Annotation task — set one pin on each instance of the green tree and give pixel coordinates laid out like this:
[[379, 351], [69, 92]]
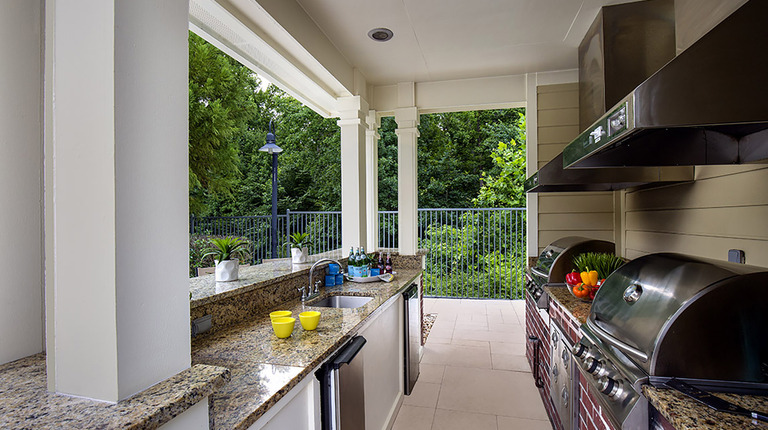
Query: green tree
[[503, 185], [221, 99], [455, 148]]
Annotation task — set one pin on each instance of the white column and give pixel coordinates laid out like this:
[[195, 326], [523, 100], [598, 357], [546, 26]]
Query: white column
[[21, 152], [372, 179], [353, 111], [120, 176], [407, 178]]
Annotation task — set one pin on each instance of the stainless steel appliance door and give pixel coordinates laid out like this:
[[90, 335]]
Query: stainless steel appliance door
[[342, 388], [412, 339]]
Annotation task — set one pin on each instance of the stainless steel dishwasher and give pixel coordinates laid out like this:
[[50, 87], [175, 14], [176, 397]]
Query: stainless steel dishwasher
[[412, 324], [342, 388]]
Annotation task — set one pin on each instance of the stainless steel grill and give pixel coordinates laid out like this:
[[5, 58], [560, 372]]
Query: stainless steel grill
[[556, 261], [669, 315]]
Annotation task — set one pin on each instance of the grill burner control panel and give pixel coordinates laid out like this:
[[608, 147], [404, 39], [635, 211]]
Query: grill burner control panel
[[626, 407]]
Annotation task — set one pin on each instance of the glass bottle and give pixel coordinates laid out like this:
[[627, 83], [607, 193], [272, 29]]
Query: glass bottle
[[388, 264]]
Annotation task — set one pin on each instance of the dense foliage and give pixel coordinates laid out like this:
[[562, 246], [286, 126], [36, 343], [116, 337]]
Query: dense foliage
[[462, 162]]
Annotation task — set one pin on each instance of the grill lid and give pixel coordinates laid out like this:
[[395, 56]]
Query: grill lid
[[677, 315], [555, 261]]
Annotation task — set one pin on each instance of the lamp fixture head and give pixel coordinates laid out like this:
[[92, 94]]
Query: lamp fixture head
[[271, 146]]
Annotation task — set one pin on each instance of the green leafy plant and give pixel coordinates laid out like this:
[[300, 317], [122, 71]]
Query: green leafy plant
[[299, 240], [603, 263], [227, 248]]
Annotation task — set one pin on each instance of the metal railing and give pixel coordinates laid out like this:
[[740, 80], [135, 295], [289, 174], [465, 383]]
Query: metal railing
[[473, 253]]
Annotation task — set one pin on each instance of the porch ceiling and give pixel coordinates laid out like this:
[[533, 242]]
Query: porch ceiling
[[436, 40]]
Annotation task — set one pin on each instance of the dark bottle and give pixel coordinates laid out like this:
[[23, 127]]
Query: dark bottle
[[388, 266], [381, 266]]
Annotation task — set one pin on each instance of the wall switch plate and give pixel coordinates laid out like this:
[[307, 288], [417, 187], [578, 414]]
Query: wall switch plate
[[736, 256], [201, 325]]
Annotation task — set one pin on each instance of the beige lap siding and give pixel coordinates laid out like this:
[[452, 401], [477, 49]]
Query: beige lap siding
[[586, 214]]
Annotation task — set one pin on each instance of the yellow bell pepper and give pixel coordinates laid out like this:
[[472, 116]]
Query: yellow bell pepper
[[589, 278]]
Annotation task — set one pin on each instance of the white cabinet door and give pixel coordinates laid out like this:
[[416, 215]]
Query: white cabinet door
[[299, 409], [383, 366]]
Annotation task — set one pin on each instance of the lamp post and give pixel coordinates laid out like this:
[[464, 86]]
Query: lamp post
[[272, 148]]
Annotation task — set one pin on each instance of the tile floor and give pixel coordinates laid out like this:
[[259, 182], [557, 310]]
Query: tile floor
[[474, 374]]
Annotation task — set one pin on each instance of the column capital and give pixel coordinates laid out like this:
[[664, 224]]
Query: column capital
[[407, 117], [352, 107], [407, 131]]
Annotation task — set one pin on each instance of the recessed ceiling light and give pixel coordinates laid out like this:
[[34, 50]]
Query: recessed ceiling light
[[380, 34]]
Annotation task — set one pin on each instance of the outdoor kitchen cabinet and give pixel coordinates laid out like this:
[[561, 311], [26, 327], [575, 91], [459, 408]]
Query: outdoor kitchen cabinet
[[383, 375]]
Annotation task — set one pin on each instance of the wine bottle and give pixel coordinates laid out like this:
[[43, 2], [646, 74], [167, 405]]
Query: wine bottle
[[382, 267], [388, 264]]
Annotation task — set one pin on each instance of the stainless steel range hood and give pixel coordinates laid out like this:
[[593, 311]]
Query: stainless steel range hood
[[553, 178], [709, 105]]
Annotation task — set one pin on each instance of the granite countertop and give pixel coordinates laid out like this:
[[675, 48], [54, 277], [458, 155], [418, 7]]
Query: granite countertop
[[25, 402], [685, 413], [578, 308], [265, 368], [204, 290]]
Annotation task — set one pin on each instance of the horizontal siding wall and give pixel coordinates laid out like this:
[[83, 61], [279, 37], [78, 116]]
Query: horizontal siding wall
[[725, 208], [566, 214]]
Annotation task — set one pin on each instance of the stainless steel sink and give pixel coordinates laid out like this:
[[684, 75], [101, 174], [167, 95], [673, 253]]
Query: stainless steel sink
[[349, 302]]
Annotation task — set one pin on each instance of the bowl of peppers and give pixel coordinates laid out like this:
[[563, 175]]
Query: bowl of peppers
[[591, 269]]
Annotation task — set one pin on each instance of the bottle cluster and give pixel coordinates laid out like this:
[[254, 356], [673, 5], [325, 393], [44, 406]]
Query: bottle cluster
[[362, 265]]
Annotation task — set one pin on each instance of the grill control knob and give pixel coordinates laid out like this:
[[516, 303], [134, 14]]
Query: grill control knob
[[610, 387], [554, 336], [595, 367], [580, 350]]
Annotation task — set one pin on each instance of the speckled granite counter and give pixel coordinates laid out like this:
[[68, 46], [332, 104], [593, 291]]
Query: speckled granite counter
[[264, 368], [25, 402], [577, 308], [687, 414]]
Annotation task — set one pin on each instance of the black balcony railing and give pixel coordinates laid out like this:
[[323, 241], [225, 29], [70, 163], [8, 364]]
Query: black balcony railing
[[473, 253]]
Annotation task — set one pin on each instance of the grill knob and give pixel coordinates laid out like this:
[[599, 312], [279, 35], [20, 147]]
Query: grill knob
[[554, 336], [595, 367], [580, 350], [609, 387]]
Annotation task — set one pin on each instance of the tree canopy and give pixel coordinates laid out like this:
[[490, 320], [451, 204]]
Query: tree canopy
[[466, 159]]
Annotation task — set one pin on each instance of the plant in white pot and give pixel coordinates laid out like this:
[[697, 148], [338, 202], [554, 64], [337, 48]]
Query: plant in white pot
[[225, 252], [299, 247]]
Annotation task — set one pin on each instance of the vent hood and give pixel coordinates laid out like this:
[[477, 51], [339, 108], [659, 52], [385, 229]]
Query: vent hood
[[709, 105], [552, 178], [625, 45]]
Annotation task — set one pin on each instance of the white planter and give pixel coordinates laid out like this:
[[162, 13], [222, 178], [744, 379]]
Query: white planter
[[299, 255], [227, 270]]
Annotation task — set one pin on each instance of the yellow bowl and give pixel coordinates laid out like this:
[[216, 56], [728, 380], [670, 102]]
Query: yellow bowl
[[283, 326], [279, 314], [309, 319]]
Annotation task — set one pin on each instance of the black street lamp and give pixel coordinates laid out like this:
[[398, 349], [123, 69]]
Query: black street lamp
[[272, 148]]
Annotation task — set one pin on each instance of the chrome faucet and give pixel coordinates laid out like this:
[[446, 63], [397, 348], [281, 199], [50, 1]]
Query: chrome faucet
[[309, 293]]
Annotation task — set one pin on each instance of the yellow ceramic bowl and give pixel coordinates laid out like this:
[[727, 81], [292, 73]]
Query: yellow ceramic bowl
[[279, 314], [309, 319], [283, 326]]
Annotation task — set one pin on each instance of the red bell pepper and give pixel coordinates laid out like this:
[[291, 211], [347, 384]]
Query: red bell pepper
[[573, 278]]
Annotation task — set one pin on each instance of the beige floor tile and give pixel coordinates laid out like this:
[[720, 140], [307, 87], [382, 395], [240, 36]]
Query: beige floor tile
[[457, 355], [491, 336], [414, 418], [497, 392], [432, 340], [511, 423], [514, 348], [514, 328], [457, 420], [471, 325], [519, 306], [424, 394], [432, 373], [517, 363], [440, 333], [470, 342]]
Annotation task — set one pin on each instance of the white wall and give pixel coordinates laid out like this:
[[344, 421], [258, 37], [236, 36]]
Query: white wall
[[21, 151], [121, 306], [151, 191]]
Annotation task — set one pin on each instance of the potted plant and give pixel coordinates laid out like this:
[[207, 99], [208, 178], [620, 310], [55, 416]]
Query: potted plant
[[299, 243], [225, 251]]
